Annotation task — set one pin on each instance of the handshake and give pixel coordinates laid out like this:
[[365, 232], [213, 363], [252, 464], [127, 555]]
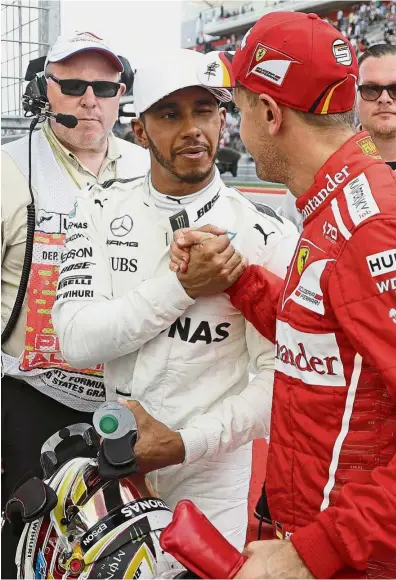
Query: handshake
[[205, 260]]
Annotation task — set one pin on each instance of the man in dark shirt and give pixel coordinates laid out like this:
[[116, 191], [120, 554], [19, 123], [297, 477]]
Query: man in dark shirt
[[376, 100]]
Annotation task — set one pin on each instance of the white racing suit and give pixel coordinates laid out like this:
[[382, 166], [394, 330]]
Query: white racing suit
[[185, 360]]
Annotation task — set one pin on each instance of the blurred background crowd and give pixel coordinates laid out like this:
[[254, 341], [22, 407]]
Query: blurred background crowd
[[363, 23], [205, 25]]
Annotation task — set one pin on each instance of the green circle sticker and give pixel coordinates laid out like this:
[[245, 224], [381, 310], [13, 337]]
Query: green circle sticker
[[108, 424]]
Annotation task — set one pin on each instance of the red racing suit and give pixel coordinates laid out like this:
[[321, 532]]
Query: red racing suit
[[331, 471]]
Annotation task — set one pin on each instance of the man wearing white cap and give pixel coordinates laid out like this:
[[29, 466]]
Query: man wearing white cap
[[40, 392], [181, 356]]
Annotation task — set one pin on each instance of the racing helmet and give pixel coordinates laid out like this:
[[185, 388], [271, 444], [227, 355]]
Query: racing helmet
[[99, 529]]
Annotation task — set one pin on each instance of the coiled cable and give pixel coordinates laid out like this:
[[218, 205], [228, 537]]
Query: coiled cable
[[27, 261]]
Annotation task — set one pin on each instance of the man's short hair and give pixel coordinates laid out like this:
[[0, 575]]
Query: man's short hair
[[340, 120], [252, 98], [47, 69], [376, 51]]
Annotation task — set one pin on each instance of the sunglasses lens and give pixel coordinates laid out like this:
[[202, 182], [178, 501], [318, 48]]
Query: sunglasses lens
[[77, 87], [392, 91], [105, 89], [370, 93], [73, 87]]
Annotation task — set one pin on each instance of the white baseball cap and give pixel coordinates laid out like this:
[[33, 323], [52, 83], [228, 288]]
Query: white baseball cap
[[169, 73], [66, 46]]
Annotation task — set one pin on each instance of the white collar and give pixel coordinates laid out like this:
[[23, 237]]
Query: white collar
[[154, 198]]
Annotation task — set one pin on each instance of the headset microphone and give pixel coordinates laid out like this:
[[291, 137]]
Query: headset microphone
[[69, 121]]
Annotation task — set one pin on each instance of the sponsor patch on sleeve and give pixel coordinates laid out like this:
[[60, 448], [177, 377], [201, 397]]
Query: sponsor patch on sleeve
[[360, 200], [368, 147], [382, 263]]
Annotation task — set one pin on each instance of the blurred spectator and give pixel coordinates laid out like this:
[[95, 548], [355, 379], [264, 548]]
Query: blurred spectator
[[375, 105], [225, 139], [227, 160], [361, 46], [340, 18], [219, 13], [353, 42], [389, 34], [232, 127]]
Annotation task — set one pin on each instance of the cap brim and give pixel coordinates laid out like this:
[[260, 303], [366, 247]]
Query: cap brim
[[110, 55], [221, 95], [215, 70]]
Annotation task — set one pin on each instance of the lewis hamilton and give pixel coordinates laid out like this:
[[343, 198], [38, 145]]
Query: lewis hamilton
[[181, 356]]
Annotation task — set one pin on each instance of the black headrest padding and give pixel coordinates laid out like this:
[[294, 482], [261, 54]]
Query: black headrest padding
[[31, 501], [117, 458]]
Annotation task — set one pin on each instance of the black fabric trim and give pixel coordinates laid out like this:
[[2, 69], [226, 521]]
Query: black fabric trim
[[110, 182], [228, 56], [316, 103], [112, 495], [267, 210]]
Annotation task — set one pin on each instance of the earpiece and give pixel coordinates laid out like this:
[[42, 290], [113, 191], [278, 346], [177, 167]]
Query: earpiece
[[35, 96], [127, 76]]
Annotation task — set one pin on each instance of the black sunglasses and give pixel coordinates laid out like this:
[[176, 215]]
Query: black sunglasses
[[373, 92], [77, 87]]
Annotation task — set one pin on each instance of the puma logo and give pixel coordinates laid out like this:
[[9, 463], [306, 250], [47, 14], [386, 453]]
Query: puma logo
[[174, 199], [262, 232]]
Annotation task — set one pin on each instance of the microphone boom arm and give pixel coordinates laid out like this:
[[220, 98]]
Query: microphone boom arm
[[39, 107]]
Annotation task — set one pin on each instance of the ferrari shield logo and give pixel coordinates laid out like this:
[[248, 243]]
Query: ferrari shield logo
[[260, 53], [302, 259], [270, 64], [367, 146]]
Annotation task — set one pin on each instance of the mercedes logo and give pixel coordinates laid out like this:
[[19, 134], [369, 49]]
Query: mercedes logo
[[121, 226]]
